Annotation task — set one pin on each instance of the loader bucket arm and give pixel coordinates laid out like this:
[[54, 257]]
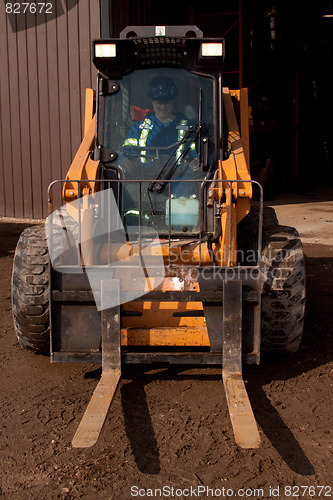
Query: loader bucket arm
[[83, 167], [234, 197]]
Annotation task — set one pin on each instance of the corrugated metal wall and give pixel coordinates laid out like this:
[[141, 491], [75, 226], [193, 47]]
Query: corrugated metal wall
[[44, 71]]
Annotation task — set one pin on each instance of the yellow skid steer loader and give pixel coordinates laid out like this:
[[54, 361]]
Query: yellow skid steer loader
[[154, 250]]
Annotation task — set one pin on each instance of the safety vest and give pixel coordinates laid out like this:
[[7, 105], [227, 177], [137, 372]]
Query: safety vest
[[151, 132]]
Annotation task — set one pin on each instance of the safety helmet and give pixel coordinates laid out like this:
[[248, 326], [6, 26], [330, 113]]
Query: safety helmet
[[162, 88]]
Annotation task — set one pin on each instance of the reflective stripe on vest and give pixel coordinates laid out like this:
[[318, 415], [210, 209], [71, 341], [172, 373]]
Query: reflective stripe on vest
[[131, 142], [181, 135], [144, 136]]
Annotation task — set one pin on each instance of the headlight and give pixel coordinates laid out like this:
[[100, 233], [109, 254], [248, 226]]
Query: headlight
[[211, 50], [105, 50]]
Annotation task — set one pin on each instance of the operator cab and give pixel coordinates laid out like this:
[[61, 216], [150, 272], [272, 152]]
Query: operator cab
[[162, 161]]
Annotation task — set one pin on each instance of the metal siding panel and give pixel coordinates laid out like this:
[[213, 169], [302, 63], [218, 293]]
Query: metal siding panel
[[64, 98], [74, 80], [53, 96], [13, 75], [84, 53], [34, 122], [23, 118], [44, 119], [45, 70], [2, 178], [6, 145], [94, 33]]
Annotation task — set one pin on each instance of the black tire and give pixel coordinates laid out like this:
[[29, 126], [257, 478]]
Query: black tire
[[282, 280], [283, 290], [30, 290]]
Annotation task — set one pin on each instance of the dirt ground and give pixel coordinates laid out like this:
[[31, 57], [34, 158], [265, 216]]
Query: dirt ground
[[169, 427]]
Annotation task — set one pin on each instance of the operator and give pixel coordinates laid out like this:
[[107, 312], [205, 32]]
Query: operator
[[163, 127]]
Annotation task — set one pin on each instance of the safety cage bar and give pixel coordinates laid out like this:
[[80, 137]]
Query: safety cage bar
[[200, 237]]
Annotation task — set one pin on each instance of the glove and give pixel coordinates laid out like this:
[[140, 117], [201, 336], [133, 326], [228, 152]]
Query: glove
[[194, 165]]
